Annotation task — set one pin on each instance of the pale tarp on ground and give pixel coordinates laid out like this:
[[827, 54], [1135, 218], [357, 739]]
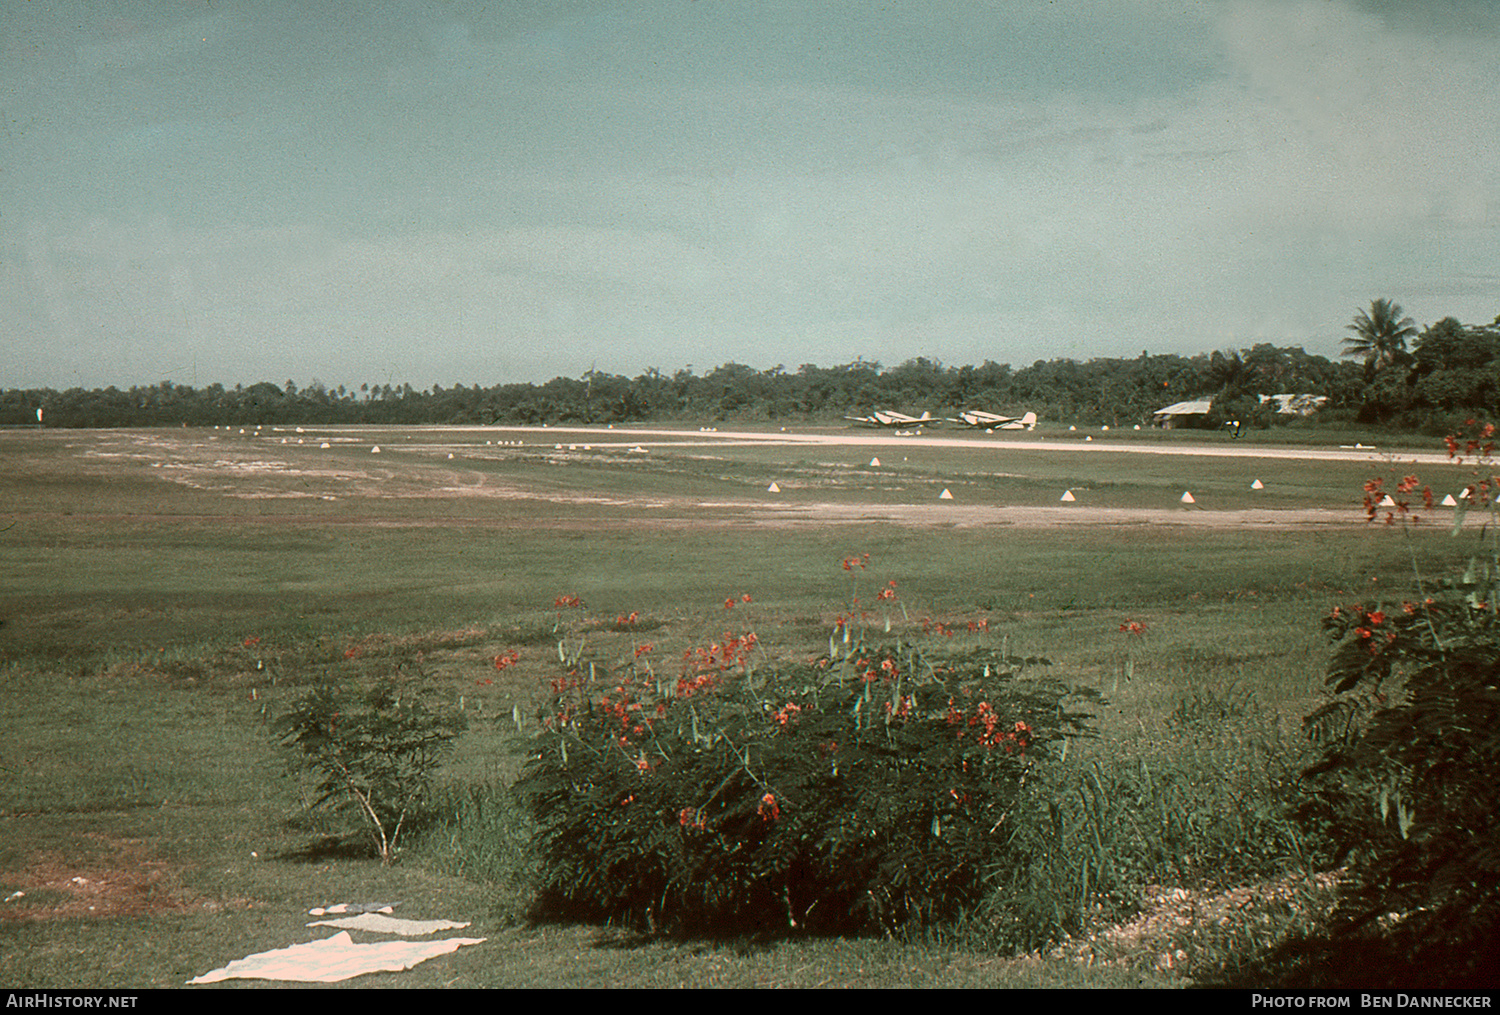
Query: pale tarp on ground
[[333, 959], [382, 924]]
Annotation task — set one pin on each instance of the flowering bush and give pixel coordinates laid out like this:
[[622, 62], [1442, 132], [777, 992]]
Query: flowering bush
[[871, 788], [1408, 782]]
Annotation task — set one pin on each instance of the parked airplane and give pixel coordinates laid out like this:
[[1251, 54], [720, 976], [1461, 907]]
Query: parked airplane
[[991, 421], [883, 418]]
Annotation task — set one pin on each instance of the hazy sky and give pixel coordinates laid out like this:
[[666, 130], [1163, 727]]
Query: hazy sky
[[449, 192]]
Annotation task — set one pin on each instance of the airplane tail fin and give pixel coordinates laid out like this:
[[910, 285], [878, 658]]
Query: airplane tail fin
[[1029, 420]]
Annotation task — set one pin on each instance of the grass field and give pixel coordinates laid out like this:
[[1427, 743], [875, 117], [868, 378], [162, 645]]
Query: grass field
[[163, 592]]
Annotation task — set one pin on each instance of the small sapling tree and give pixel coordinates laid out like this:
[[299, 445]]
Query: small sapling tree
[[374, 751]]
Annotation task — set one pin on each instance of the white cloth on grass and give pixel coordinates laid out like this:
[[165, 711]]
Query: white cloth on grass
[[332, 959], [382, 924], [350, 908]]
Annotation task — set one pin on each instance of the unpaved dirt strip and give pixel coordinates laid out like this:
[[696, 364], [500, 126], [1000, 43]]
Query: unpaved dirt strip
[[257, 466], [604, 437]]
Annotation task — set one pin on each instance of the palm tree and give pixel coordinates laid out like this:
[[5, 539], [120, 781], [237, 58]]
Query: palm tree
[[1380, 335]]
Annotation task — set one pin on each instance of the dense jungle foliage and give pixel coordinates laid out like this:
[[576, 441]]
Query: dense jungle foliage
[[1452, 371]]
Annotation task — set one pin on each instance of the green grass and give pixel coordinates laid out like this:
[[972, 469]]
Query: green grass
[[149, 627]]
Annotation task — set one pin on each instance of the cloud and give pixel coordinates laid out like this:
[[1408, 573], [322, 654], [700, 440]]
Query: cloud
[[1359, 124]]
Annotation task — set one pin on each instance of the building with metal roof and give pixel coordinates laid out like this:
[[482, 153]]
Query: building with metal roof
[[1178, 413]]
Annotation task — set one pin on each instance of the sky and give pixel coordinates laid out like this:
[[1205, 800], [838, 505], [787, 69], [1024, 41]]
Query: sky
[[429, 192]]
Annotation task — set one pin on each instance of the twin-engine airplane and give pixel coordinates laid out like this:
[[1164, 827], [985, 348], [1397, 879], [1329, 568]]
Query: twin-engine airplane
[[883, 418], [991, 421]]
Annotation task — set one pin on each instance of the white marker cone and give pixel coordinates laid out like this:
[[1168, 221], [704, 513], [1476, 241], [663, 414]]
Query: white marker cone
[[1257, 485], [1387, 502], [1067, 495], [375, 450], [875, 461], [450, 454], [773, 488], [1187, 498], [946, 494], [1448, 501], [323, 445]]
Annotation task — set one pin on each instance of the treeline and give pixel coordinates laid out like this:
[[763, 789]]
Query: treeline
[[1452, 372]]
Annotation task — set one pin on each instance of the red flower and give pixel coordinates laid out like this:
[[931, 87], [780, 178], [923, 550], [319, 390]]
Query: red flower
[[745, 598], [768, 810]]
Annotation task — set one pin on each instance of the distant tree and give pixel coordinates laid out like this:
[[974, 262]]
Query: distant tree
[[1229, 373], [1380, 336], [1449, 345], [1456, 370]]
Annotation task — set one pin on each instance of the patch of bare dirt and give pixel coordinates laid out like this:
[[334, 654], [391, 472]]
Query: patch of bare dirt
[[963, 516], [118, 878]]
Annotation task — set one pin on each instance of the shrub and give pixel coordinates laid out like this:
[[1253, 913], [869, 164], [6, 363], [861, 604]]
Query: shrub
[[873, 789], [1408, 781], [1408, 786], [373, 751]]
